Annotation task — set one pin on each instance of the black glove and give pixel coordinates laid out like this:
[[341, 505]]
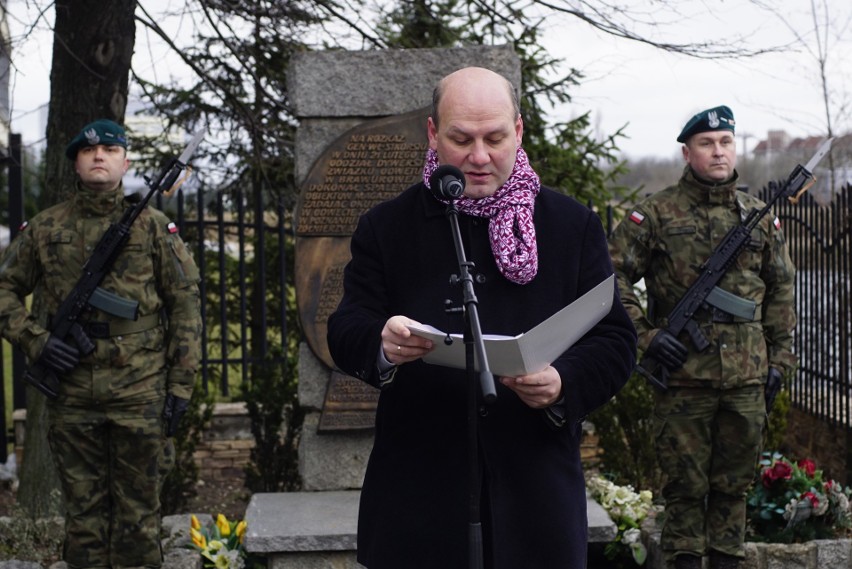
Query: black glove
[[173, 410], [667, 350], [772, 387], [59, 356]]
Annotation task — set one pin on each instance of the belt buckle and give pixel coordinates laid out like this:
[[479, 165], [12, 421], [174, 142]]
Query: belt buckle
[[98, 329]]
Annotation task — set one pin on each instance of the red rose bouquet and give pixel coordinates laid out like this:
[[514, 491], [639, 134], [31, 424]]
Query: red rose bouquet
[[792, 502]]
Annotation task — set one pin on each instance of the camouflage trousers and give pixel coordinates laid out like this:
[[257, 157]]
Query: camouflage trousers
[[111, 465], [708, 443]]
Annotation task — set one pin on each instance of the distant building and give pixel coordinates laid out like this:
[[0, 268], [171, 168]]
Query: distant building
[[780, 145], [776, 141]]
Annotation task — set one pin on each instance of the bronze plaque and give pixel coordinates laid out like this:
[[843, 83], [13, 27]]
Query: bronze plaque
[[367, 165], [350, 404]]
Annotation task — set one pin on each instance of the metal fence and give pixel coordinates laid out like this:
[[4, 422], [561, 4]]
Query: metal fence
[[820, 241], [241, 254], [14, 169]]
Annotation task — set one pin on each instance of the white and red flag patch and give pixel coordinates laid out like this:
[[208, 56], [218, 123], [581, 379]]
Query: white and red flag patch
[[172, 227], [637, 217], [777, 223]]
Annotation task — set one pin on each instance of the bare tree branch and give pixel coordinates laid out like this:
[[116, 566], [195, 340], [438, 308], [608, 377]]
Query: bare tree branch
[[613, 20]]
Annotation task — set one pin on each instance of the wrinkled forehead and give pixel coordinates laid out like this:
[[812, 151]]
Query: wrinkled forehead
[[479, 127]]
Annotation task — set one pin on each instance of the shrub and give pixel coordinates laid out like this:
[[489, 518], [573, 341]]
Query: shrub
[[776, 427], [625, 426], [276, 424]]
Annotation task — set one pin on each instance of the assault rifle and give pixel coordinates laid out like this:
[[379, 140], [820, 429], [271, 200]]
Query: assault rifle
[[704, 293], [87, 293]]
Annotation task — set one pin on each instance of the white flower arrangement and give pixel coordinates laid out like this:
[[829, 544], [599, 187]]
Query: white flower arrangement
[[627, 509]]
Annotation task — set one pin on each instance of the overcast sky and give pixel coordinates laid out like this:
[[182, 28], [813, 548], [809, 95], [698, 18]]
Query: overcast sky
[[627, 83], [654, 93]]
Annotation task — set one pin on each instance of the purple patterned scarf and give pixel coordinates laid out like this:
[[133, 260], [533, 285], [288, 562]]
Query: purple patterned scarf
[[510, 211]]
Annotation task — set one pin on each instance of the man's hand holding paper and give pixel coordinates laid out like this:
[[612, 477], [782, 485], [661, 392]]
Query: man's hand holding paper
[[399, 344], [538, 390]]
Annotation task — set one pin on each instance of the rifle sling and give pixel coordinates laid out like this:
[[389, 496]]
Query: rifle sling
[[111, 329]]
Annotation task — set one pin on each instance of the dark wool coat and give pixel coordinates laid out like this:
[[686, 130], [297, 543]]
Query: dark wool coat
[[414, 504]]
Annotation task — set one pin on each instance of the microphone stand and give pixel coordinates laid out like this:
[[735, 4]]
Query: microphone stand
[[474, 344]]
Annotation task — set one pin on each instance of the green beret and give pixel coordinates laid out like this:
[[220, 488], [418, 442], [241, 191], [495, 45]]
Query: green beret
[[102, 131], [717, 118]]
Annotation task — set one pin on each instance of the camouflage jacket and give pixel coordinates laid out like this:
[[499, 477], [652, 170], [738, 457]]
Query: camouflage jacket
[[154, 268], [667, 237]]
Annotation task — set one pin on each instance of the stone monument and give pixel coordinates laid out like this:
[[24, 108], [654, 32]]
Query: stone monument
[[361, 140]]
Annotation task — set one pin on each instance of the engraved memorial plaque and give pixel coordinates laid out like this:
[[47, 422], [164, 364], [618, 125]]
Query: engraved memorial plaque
[[367, 165], [349, 404]]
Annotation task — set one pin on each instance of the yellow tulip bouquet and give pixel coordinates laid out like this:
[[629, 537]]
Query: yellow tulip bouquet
[[220, 543]]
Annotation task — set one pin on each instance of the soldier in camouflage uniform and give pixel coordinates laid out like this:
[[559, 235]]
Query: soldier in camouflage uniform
[[709, 422], [107, 427]]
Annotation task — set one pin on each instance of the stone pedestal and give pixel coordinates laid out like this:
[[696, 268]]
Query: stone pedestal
[[327, 461], [317, 530]]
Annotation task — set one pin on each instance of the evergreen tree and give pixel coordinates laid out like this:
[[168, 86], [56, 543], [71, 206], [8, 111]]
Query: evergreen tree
[[240, 57], [566, 155]]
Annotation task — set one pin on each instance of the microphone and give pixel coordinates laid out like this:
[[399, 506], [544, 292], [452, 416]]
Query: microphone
[[447, 183]]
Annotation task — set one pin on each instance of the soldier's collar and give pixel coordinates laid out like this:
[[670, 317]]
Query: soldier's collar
[[715, 193], [98, 202]]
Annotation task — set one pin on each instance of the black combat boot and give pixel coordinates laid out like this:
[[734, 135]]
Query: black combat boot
[[720, 560], [686, 561]]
